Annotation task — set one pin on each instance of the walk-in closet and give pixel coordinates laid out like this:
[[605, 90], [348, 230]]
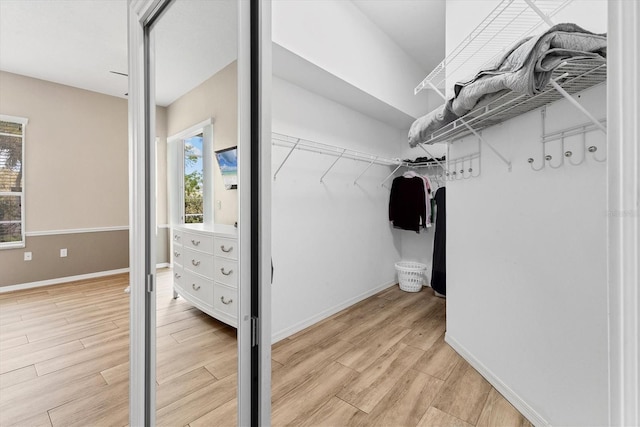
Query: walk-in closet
[[523, 162]]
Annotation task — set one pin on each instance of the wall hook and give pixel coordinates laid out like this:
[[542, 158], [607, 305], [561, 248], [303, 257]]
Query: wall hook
[[549, 158], [464, 169], [543, 113], [530, 161], [592, 149], [561, 162], [569, 154]]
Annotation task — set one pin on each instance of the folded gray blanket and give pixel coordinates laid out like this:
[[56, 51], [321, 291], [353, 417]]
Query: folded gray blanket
[[526, 68]]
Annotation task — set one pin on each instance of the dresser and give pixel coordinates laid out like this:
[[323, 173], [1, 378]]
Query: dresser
[[205, 268]]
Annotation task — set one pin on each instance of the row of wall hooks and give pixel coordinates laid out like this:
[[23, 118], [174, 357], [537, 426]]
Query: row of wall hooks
[[294, 143], [567, 156], [464, 167]]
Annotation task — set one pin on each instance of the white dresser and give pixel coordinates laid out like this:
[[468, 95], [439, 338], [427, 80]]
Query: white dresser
[[205, 268]]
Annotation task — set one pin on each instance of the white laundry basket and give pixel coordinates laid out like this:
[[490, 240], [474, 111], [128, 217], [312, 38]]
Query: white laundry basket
[[410, 275]]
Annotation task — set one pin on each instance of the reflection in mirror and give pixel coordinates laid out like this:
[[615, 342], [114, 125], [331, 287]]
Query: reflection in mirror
[[197, 299]]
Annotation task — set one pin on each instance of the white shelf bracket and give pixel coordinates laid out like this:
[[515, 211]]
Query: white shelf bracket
[[391, 174], [332, 165], [496, 152], [434, 87], [576, 104], [365, 170], [507, 162], [285, 159]]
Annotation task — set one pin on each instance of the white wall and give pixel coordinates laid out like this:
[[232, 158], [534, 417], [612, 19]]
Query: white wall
[[338, 37], [526, 267], [332, 242]]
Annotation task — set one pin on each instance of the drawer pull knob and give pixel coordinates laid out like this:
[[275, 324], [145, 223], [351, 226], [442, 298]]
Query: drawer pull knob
[[195, 263], [195, 242], [226, 273], [226, 250], [226, 302], [177, 276], [176, 237], [195, 288], [176, 254]]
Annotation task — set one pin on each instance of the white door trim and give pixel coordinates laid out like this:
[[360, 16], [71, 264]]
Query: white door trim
[[623, 154], [141, 217]]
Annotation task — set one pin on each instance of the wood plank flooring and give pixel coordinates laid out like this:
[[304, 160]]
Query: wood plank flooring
[[64, 361]]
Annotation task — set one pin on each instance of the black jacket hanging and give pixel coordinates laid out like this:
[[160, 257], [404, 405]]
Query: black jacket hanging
[[439, 272], [407, 207]]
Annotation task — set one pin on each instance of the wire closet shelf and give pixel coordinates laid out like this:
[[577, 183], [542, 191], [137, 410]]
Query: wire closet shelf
[[573, 76], [510, 21]]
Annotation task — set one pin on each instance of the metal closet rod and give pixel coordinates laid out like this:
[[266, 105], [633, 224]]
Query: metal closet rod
[[295, 143]]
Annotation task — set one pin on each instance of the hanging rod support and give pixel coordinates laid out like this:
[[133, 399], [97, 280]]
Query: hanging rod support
[[432, 156], [391, 174], [576, 104], [366, 169], [541, 14], [333, 164], [286, 158]]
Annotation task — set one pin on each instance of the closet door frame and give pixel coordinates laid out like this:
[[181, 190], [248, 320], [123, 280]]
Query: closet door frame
[[254, 145], [623, 176]]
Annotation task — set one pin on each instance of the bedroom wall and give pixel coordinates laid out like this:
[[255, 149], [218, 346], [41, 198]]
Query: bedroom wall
[[526, 267], [76, 180], [215, 98], [332, 242]]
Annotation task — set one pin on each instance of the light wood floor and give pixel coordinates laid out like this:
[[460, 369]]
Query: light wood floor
[[64, 354]]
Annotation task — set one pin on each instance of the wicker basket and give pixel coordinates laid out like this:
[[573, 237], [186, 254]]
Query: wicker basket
[[410, 275]]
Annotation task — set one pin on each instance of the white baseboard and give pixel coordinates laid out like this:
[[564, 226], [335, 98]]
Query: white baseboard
[[59, 280], [280, 335], [534, 417]]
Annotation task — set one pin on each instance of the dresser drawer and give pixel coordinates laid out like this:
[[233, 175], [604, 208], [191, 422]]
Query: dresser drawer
[[226, 271], [226, 248], [198, 262], [178, 254], [198, 287], [176, 237], [225, 300], [178, 274], [200, 242]]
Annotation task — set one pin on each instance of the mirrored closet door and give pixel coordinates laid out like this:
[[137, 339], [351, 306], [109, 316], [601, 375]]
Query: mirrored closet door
[[196, 129]]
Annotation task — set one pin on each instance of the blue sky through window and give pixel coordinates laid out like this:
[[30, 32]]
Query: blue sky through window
[[193, 146]]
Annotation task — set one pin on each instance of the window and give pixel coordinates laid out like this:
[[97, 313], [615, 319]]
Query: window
[[193, 180], [11, 181], [190, 175]]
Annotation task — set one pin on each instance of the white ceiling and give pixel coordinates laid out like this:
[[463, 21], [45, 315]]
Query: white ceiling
[[72, 42], [77, 43], [192, 44]]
